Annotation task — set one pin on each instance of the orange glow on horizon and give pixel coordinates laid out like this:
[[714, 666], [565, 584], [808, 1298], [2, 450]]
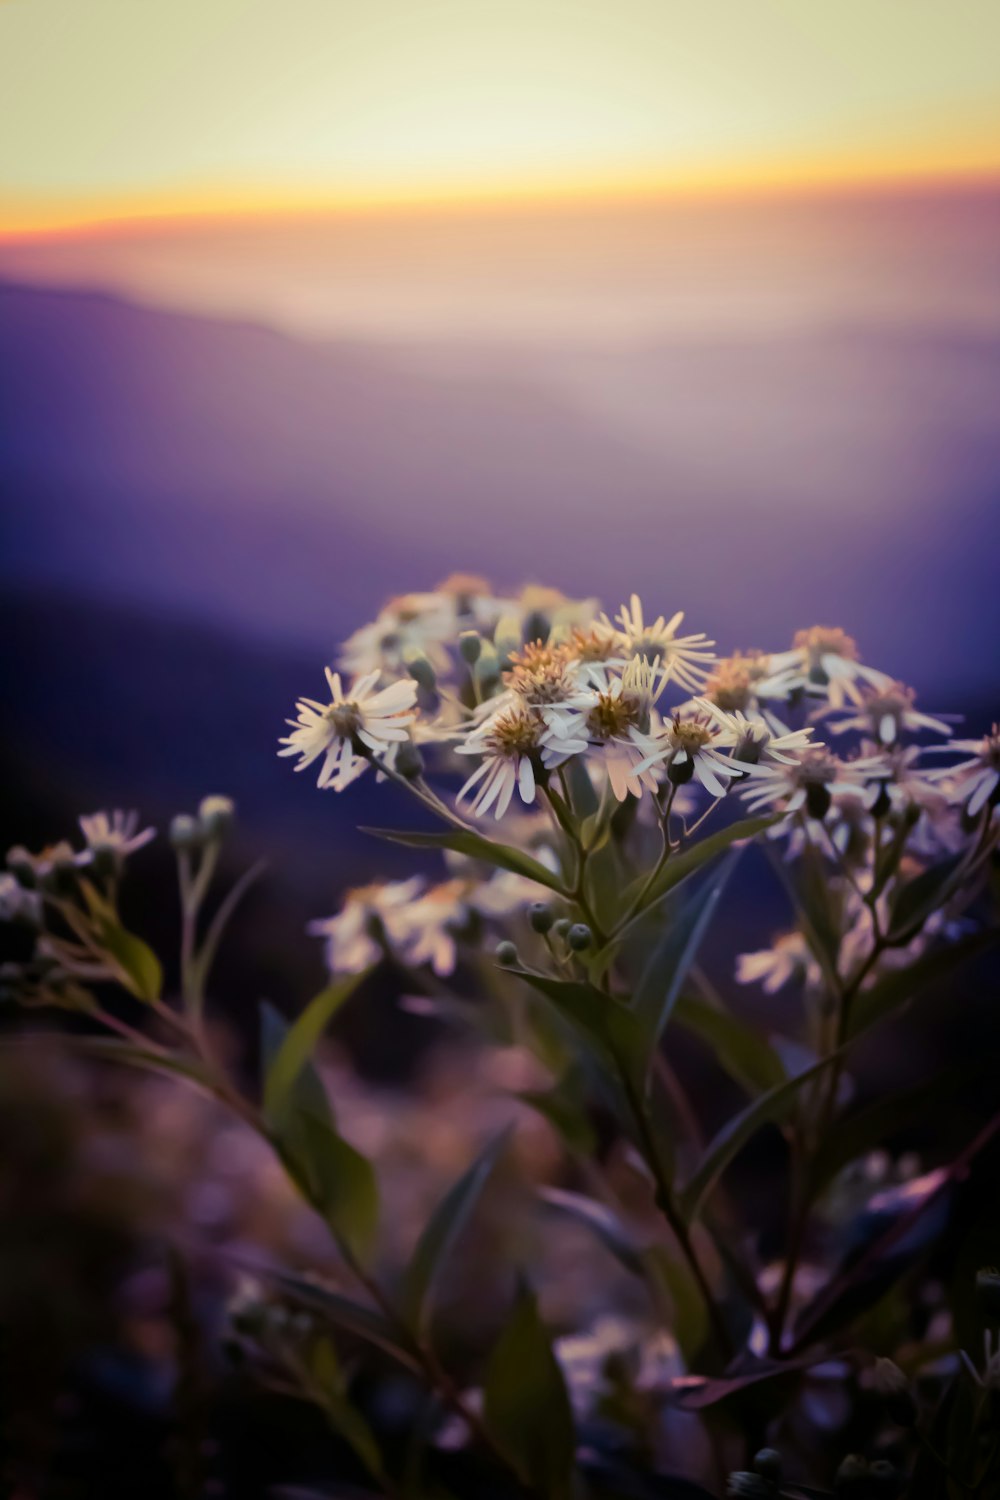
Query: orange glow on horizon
[[22, 221]]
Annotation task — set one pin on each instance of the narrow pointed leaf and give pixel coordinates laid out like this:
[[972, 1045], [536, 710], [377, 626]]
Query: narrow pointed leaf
[[467, 842], [300, 1039], [443, 1230], [341, 1185], [737, 1047], [138, 965], [602, 1222], [896, 988], [738, 1131], [525, 1404]]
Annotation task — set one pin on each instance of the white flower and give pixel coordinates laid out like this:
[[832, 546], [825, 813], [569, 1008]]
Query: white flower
[[755, 740], [689, 745], [17, 904], [809, 784], [363, 717], [897, 779], [418, 623], [788, 958], [825, 658], [974, 781], [548, 679], [509, 741], [885, 712], [616, 726], [351, 943], [682, 659], [112, 833], [739, 684]]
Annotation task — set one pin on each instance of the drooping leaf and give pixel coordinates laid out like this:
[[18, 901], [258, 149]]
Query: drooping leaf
[[300, 1039], [503, 856], [525, 1403], [605, 1023], [669, 964], [735, 1134], [738, 1048], [443, 1230], [341, 1185], [602, 1222]]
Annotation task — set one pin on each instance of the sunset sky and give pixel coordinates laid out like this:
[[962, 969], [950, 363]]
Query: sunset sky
[[124, 108]]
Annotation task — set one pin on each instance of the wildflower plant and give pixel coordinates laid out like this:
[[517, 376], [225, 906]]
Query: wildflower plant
[[589, 785]]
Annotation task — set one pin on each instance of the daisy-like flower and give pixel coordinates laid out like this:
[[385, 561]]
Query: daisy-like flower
[[412, 623], [509, 741], [809, 783], [684, 659], [616, 727], [690, 746], [363, 718], [114, 833], [740, 683], [886, 713], [351, 935], [772, 968], [755, 740], [974, 781], [597, 641], [825, 658], [545, 678], [897, 781]]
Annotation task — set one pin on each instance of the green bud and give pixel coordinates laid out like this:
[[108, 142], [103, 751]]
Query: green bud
[[487, 668], [537, 627], [540, 916], [215, 816], [894, 1388], [561, 926], [988, 1291], [409, 761], [420, 669], [185, 833], [579, 937], [768, 1464], [470, 645], [506, 954]]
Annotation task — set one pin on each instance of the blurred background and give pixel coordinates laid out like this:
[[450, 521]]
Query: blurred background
[[302, 306]]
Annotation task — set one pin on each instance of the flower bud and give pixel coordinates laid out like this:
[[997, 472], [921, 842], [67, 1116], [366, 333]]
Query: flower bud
[[561, 926], [420, 669], [215, 816], [894, 1388], [988, 1292], [540, 916], [470, 645], [506, 955], [409, 761], [818, 800], [767, 1463], [537, 627], [487, 669], [579, 937], [679, 772], [185, 833]]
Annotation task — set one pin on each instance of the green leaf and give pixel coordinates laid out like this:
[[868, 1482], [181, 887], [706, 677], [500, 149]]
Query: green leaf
[[341, 1185], [300, 1039], [736, 1132], [667, 968], [602, 1222], [343, 1312], [604, 1023], [306, 1095], [899, 986], [737, 1047], [525, 1405], [139, 966], [443, 1230], [680, 867], [504, 856]]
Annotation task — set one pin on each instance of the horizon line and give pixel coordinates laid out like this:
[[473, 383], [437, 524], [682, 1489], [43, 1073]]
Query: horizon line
[[225, 206]]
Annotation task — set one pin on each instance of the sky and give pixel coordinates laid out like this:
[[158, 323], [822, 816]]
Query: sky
[[128, 108]]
